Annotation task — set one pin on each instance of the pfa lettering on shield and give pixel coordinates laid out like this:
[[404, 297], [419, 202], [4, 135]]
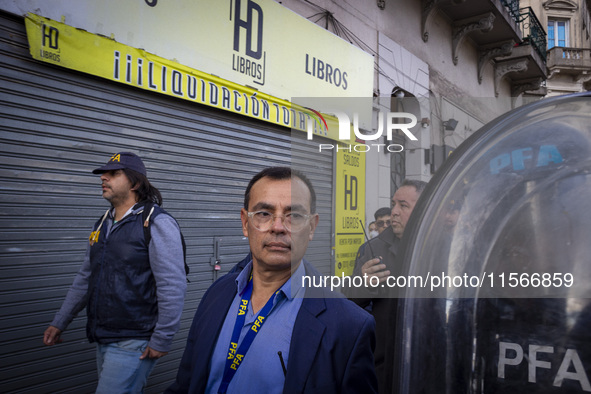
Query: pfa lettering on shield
[[526, 158]]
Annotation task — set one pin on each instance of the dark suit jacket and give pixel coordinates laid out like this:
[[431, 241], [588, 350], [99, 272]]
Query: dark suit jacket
[[331, 347], [384, 303]]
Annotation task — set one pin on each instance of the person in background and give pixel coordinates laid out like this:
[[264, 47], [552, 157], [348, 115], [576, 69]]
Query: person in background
[[379, 259], [382, 222], [372, 230], [383, 219], [133, 290]]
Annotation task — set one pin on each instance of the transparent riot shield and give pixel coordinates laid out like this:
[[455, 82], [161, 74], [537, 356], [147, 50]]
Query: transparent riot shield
[[501, 242]]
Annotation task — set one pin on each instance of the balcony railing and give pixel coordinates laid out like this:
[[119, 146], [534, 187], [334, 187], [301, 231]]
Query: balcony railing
[[574, 53], [574, 59], [532, 31], [513, 7]]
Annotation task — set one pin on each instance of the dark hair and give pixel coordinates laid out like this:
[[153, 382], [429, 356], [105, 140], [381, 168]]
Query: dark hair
[[418, 185], [144, 189], [383, 211], [278, 174]]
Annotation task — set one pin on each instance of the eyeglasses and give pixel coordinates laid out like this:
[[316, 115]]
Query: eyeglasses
[[293, 221], [382, 223]]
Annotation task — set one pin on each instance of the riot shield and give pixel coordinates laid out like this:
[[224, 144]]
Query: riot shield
[[501, 240]]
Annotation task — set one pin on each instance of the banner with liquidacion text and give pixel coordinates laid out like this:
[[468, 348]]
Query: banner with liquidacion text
[[62, 45]]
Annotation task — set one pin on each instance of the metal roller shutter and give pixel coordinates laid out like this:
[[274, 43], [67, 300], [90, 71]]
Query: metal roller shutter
[[56, 127]]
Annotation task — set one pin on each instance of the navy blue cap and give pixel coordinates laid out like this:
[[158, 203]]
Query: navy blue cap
[[123, 160]]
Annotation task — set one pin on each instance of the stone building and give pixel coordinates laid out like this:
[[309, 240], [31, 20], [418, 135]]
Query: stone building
[[567, 23], [455, 64]]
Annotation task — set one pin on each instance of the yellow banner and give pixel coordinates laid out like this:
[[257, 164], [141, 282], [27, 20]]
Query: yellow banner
[[256, 43], [57, 43], [349, 207]]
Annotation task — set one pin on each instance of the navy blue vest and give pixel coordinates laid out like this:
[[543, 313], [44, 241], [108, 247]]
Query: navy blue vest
[[122, 301]]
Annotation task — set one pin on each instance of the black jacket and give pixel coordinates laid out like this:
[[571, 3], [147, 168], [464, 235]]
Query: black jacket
[[382, 301]]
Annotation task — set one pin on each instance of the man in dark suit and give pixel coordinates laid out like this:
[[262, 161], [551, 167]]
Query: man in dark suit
[[260, 329], [379, 258]]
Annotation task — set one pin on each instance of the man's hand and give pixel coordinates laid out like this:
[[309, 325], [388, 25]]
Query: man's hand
[[374, 267], [151, 353], [52, 335]]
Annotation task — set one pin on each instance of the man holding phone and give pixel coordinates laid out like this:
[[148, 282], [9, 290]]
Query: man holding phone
[[379, 258]]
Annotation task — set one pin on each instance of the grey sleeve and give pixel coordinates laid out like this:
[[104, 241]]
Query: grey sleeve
[[168, 267], [77, 296]]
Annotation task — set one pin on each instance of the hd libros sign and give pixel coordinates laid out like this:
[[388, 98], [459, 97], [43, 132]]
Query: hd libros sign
[[246, 56]]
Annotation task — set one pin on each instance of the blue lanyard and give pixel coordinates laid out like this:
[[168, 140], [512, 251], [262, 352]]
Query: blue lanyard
[[236, 354]]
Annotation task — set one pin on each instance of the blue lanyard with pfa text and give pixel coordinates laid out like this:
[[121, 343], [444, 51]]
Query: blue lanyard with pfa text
[[235, 354]]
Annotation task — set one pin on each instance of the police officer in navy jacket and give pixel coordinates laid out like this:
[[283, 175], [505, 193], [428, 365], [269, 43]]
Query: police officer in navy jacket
[[133, 288]]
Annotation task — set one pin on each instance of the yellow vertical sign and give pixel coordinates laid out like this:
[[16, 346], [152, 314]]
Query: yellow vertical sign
[[349, 208]]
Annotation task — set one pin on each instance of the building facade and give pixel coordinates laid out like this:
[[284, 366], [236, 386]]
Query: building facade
[[455, 64], [569, 44]]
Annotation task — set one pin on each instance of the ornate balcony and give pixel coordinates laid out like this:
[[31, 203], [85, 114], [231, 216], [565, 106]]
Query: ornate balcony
[[509, 37], [526, 65], [534, 33], [572, 61], [486, 21]]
